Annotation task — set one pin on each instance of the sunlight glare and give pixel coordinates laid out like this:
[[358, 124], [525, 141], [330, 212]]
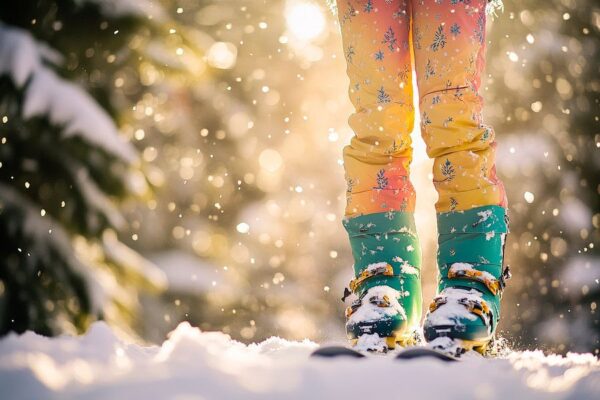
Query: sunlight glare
[[305, 20]]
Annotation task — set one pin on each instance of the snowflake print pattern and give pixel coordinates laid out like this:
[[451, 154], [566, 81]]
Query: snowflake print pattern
[[382, 180], [417, 36], [446, 38], [486, 134], [429, 72], [425, 119], [350, 182], [394, 147], [390, 214], [439, 39], [350, 52], [479, 33], [453, 204], [389, 38], [404, 205], [448, 170], [455, 29], [403, 75], [350, 12], [382, 96]]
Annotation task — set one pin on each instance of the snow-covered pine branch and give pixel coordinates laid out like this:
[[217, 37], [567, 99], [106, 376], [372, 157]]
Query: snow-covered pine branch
[[46, 94], [63, 167]]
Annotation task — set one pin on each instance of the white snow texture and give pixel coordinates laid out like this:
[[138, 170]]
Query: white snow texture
[[141, 8], [209, 365], [368, 312]]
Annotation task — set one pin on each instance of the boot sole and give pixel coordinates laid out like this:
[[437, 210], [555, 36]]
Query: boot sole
[[473, 340], [401, 340]]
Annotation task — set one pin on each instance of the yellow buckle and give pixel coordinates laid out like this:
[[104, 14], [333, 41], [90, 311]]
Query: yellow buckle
[[386, 270], [491, 283], [478, 307], [383, 301]]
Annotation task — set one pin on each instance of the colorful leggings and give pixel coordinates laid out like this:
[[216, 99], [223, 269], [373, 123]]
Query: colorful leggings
[[446, 40]]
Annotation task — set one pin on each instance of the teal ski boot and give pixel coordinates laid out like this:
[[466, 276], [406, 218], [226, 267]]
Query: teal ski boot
[[465, 313], [387, 283]]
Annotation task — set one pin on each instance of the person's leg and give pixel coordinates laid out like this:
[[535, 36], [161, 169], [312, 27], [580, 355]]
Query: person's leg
[[379, 214], [449, 47]]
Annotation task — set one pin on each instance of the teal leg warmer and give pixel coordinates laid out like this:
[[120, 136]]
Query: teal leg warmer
[[471, 274], [386, 254]]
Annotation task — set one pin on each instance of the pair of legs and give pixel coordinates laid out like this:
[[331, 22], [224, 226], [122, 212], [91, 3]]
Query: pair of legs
[[445, 39]]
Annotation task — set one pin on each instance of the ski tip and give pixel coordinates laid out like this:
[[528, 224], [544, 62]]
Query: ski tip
[[336, 351], [420, 352]]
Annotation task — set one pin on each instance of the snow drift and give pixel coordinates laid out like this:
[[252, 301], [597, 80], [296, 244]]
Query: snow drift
[[192, 364]]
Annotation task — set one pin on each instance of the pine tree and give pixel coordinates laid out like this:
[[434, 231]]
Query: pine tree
[[64, 166]]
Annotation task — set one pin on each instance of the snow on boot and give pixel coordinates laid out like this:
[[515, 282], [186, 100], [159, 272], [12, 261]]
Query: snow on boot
[[387, 266], [470, 281]]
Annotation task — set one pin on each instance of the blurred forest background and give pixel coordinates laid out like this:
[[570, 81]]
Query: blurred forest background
[[176, 160]]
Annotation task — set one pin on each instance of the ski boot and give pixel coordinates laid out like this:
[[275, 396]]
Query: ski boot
[[387, 281], [465, 313]]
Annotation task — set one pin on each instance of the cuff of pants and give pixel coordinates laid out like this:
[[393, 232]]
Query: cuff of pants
[[492, 195]]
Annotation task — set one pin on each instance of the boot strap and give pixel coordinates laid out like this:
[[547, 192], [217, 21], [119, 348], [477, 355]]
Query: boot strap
[[494, 285], [478, 307], [379, 301], [383, 270]]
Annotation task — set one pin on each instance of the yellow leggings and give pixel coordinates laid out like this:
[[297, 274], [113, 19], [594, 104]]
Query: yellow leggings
[[446, 40]]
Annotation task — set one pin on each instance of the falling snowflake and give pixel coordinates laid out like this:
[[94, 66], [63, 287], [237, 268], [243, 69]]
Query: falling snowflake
[[368, 6], [379, 55]]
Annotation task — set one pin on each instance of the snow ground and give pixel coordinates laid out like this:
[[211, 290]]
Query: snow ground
[[194, 365]]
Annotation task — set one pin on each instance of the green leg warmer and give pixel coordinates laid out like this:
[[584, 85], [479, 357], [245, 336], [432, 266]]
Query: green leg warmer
[[387, 266], [471, 274]]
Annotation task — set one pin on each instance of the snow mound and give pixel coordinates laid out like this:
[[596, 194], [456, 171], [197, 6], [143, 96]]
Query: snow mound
[[368, 311], [192, 364], [453, 312]]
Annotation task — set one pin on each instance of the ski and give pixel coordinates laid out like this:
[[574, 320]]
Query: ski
[[336, 351], [425, 352], [409, 353]]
